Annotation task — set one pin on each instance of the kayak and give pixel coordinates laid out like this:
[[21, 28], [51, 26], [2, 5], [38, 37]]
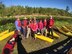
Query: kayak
[[8, 48], [69, 28], [6, 31], [6, 35], [67, 33], [65, 28], [55, 35], [39, 36]]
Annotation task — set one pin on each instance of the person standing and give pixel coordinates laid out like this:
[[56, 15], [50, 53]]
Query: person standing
[[24, 26], [18, 25], [45, 25], [50, 26], [40, 26], [34, 28], [29, 28]]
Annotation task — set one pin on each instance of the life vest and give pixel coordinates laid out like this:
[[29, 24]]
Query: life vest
[[51, 22], [40, 25], [19, 23], [24, 23], [34, 27], [30, 25], [45, 23]]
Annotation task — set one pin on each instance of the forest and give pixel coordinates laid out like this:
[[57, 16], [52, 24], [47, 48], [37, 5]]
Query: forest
[[21, 10]]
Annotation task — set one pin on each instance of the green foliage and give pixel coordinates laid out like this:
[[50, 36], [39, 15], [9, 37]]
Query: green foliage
[[4, 21], [20, 10], [2, 7], [8, 26]]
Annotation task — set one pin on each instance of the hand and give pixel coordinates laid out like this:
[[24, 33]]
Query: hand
[[50, 27], [18, 30]]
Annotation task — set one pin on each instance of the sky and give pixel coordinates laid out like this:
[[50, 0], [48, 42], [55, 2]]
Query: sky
[[60, 4]]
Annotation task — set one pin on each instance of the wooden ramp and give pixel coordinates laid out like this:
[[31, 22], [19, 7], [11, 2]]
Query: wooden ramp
[[6, 35], [44, 38], [4, 32]]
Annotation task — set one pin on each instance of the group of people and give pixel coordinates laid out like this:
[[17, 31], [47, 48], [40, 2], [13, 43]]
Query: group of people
[[32, 26]]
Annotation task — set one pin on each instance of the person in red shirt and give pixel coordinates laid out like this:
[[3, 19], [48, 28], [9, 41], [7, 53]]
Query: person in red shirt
[[50, 25], [34, 28], [29, 28], [24, 22], [40, 26], [24, 26], [45, 22], [45, 25]]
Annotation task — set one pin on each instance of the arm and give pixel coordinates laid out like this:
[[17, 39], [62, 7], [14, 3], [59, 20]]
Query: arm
[[16, 25]]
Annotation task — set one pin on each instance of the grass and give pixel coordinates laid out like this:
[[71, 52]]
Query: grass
[[2, 44]]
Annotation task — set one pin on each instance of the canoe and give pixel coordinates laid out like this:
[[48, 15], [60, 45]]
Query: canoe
[[39, 36], [69, 28], [6, 35], [67, 33], [56, 35], [4, 32], [65, 28], [8, 48]]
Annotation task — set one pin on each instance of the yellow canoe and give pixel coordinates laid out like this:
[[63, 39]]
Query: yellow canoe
[[56, 35], [6, 35], [65, 28], [69, 27], [67, 33], [6, 31], [44, 38]]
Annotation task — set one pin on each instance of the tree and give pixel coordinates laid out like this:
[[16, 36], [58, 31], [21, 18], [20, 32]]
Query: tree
[[20, 10], [67, 8], [2, 6]]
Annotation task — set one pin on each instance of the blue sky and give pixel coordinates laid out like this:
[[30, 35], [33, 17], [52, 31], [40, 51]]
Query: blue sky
[[61, 4]]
